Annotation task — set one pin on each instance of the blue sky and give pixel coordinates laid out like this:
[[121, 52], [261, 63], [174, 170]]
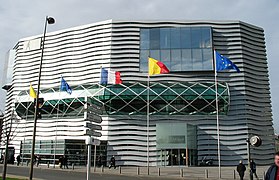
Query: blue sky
[[20, 19]]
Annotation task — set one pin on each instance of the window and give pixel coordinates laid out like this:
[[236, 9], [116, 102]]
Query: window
[[180, 49]]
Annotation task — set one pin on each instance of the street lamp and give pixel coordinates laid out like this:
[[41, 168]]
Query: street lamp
[[49, 20], [255, 141]]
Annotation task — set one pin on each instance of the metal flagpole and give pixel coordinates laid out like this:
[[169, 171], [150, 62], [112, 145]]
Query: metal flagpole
[[217, 116], [56, 127], [147, 121], [23, 145]]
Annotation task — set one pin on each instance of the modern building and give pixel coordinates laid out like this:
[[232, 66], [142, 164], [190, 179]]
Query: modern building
[[181, 126]]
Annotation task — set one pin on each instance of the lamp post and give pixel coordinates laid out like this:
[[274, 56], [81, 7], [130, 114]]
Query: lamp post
[[49, 20], [255, 141], [8, 132]]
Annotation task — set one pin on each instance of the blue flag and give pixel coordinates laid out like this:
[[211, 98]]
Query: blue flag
[[65, 86], [223, 63]]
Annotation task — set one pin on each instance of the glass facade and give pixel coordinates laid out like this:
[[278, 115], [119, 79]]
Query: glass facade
[[75, 150], [124, 99], [180, 49], [176, 144]]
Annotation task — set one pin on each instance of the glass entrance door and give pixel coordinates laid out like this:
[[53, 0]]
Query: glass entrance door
[[178, 157]]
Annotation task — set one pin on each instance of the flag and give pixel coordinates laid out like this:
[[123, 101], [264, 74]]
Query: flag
[[156, 67], [223, 63], [110, 77], [32, 92], [65, 86]]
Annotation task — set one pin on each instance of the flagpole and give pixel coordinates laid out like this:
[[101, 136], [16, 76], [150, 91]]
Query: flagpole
[[217, 116], [147, 120], [56, 126], [151, 70], [23, 145]]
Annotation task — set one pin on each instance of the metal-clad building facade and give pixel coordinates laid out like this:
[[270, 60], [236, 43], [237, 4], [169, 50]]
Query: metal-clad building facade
[[78, 53]]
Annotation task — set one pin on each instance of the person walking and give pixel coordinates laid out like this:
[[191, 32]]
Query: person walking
[[34, 160], [60, 162], [65, 162], [112, 162], [272, 172], [38, 160], [253, 169], [18, 159], [99, 161], [241, 169]]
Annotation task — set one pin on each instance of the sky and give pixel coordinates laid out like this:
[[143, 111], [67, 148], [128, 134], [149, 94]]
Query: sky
[[21, 19]]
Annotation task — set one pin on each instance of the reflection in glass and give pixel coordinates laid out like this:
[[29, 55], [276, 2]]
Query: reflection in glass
[[180, 49], [155, 54], [175, 60], [166, 57], [206, 37], [186, 63], [155, 38], [144, 39], [197, 59], [207, 59], [144, 60], [175, 38], [165, 38], [185, 37], [196, 37]]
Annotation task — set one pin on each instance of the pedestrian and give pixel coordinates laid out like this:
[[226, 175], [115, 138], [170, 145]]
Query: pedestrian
[[99, 161], [241, 169], [65, 162], [34, 159], [18, 159], [2, 159], [253, 169], [112, 162], [60, 162], [38, 160], [272, 172]]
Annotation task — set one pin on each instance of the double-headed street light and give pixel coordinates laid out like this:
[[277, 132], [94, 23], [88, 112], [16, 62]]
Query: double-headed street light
[[49, 20]]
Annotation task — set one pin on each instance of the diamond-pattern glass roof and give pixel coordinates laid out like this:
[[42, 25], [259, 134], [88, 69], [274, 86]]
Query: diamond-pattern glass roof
[[131, 98]]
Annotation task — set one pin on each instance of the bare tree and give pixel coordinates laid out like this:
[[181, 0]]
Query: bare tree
[[8, 134]]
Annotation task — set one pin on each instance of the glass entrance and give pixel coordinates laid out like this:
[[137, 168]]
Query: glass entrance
[[178, 157], [176, 144]]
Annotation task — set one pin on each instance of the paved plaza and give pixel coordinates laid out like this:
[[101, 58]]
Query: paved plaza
[[210, 173]]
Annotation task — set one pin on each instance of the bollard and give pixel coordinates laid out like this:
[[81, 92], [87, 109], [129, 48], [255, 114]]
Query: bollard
[[234, 174], [159, 172], [102, 168], [264, 175], [181, 172], [206, 174], [138, 170], [119, 169], [48, 164]]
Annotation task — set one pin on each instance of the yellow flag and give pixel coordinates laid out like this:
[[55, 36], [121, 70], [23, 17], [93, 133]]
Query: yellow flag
[[156, 67], [32, 92]]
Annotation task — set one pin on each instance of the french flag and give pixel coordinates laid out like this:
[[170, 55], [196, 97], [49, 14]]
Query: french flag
[[110, 77]]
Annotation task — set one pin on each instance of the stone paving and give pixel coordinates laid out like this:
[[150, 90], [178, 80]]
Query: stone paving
[[191, 173], [172, 172]]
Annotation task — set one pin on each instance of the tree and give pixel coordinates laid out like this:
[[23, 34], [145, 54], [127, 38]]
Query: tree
[[8, 123]]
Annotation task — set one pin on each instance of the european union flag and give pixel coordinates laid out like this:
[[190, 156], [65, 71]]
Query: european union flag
[[65, 86], [223, 63]]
